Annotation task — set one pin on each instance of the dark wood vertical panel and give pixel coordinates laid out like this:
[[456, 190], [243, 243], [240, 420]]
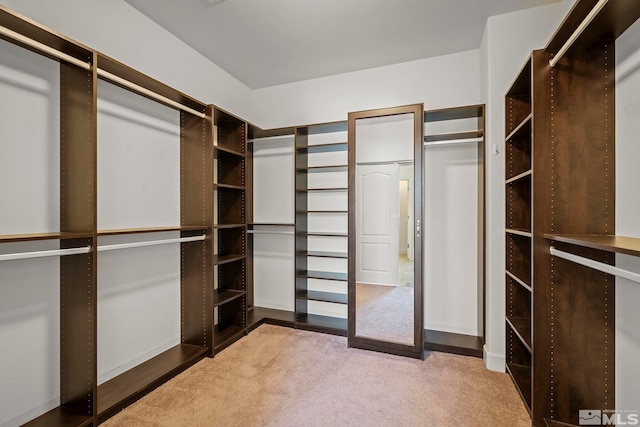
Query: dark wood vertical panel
[[482, 233], [574, 193], [352, 229], [419, 217], [250, 220], [78, 188], [196, 209]]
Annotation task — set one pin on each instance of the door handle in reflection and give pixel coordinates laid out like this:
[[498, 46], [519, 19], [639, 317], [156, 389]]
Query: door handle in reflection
[[418, 228]]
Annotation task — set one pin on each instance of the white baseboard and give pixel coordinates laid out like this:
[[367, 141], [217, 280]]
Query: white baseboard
[[493, 361]]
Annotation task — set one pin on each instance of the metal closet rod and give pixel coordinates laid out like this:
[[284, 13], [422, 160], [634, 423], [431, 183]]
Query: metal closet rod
[[150, 243], [596, 265], [269, 232], [44, 254], [453, 142], [583, 25], [87, 66]]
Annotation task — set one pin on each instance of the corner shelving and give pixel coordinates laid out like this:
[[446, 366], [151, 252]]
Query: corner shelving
[[320, 192], [519, 231], [230, 257]]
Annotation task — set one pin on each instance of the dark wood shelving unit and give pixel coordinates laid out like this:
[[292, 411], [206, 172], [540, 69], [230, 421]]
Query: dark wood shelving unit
[[466, 345], [232, 260], [305, 253], [83, 402], [323, 296], [323, 254], [560, 187], [223, 296], [257, 316], [521, 377], [325, 324], [125, 389], [324, 275], [519, 232], [454, 136]]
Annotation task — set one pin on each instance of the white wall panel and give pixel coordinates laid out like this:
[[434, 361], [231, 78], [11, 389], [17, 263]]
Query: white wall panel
[[627, 216], [29, 200]]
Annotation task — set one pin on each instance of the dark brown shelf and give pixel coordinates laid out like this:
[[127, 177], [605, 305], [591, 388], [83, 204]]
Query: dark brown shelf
[[523, 175], [124, 231], [523, 127], [308, 190], [618, 244], [223, 259], [322, 296], [519, 232], [61, 417], [454, 136], [128, 387], [323, 148], [466, 345], [455, 113], [229, 186], [229, 226], [329, 168], [256, 316], [223, 335], [228, 151], [325, 275], [522, 328], [519, 281], [8, 238], [223, 296], [318, 323], [272, 224], [322, 233], [323, 254], [521, 376]]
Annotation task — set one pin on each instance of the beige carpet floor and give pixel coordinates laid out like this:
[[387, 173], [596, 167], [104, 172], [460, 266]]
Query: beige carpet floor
[[384, 312], [284, 377]]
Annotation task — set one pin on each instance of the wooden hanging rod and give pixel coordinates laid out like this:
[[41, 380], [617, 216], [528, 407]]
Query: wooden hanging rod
[[44, 48], [583, 25], [137, 88]]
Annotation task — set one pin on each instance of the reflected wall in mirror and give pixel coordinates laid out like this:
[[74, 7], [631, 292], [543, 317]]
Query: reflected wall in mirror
[[382, 229]]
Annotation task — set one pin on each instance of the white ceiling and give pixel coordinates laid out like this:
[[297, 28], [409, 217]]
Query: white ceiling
[[269, 42]]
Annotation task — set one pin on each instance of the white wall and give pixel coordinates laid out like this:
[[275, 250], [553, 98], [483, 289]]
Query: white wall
[[627, 215], [445, 81], [29, 199], [118, 30], [507, 42]]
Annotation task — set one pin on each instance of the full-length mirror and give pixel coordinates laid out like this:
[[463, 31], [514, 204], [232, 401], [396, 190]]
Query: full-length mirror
[[385, 285]]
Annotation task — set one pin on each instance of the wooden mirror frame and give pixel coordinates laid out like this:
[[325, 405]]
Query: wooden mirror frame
[[417, 349]]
